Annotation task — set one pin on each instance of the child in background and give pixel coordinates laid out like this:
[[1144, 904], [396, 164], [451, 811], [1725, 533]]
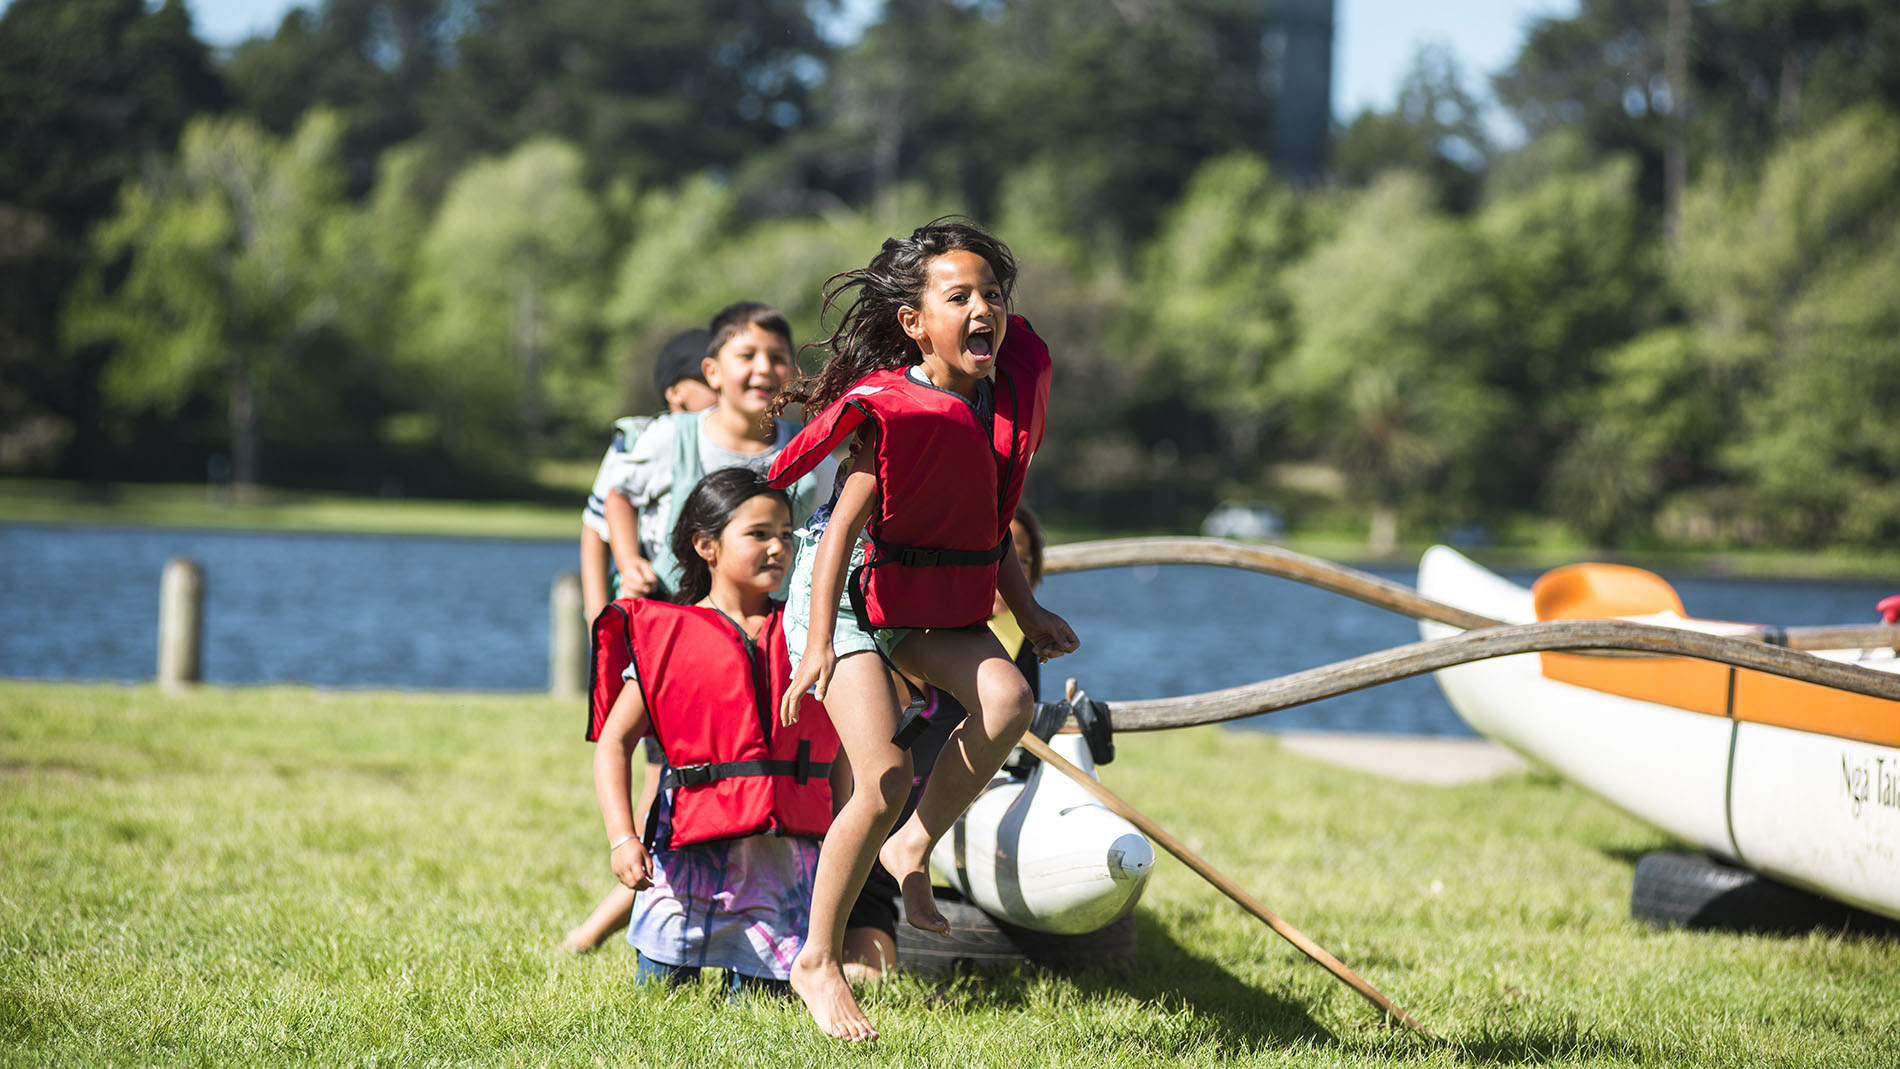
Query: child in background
[[724, 866], [945, 393], [677, 378], [745, 360], [748, 360]]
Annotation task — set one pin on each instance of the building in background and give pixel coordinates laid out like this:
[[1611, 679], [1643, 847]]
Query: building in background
[[1296, 76]]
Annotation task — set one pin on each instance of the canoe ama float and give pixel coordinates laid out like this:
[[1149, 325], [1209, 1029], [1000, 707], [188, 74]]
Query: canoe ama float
[[1041, 853], [1795, 781]]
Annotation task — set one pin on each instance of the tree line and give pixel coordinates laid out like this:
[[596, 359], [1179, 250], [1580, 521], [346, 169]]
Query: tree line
[[421, 245]]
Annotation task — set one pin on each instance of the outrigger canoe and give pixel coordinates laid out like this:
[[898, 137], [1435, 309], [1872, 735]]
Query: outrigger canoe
[[1795, 781]]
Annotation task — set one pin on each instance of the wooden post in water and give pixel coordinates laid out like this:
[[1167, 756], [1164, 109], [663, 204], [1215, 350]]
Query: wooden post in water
[[180, 624], [567, 637]]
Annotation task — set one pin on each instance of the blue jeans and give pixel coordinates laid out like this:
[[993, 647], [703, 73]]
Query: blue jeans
[[648, 971]]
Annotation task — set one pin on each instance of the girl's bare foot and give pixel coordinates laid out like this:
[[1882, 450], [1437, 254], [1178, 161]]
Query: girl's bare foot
[[904, 856], [828, 999]]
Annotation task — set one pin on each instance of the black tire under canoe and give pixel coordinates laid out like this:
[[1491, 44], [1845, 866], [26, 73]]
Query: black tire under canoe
[[1691, 891], [980, 941]]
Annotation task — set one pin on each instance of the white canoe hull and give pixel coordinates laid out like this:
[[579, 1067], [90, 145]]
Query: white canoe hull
[[1809, 808], [1043, 854]]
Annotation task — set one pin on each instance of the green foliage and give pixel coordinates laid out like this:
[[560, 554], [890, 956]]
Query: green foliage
[[1575, 272], [90, 91], [1794, 280], [1216, 275], [234, 278], [1396, 314], [648, 89], [488, 214], [87, 89], [1435, 128], [506, 303], [1125, 101], [1765, 69], [371, 61], [1650, 423], [1599, 71], [1757, 70]]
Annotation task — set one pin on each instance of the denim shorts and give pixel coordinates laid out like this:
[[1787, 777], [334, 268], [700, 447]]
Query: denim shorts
[[846, 636], [659, 973]]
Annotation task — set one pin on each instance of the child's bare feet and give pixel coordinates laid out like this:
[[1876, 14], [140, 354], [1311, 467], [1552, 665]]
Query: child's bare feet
[[828, 999], [905, 856]]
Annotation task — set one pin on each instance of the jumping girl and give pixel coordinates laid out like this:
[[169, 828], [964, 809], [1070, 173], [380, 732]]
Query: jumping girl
[[942, 393], [724, 866]]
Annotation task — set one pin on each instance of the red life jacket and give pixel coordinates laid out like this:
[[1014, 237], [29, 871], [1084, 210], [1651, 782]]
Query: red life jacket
[[947, 487], [712, 697]]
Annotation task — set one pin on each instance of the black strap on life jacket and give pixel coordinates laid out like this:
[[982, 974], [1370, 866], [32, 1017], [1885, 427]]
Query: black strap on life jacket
[[698, 775], [800, 769], [914, 557], [915, 720]]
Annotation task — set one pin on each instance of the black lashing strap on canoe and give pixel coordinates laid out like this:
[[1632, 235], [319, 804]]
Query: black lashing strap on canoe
[[1092, 717], [1098, 729]]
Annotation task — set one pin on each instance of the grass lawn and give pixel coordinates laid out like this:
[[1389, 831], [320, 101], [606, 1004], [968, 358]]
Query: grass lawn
[[289, 876], [185, 505]]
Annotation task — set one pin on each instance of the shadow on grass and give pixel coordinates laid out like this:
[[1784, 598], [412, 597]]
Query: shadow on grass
[[1247, 1015], [1187, 1002]]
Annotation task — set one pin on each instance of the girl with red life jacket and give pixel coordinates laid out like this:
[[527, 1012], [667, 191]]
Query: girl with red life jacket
[[746, 358], [942, 394], [725, 864]]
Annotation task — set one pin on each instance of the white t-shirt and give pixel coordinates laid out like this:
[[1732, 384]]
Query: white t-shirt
[[645, 477], [613, 468]]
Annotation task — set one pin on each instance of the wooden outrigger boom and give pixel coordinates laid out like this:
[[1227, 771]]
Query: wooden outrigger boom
[[1383, 593], [1485, 637]]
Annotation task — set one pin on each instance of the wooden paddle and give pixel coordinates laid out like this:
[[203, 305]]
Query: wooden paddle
[[1402, 662], [1221, 883], [1339, 579]]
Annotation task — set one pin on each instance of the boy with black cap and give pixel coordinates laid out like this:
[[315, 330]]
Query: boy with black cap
[[677, 377]]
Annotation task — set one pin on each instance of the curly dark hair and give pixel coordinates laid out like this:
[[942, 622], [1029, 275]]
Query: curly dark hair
[[706, 512], [868, 337]]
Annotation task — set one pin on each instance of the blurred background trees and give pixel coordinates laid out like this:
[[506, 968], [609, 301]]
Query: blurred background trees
[[421, 246]]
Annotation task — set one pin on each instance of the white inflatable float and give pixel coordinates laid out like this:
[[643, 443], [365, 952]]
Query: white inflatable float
[[1040, 853]]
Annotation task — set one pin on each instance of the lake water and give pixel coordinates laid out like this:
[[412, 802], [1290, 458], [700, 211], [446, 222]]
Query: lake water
[[81, 603]]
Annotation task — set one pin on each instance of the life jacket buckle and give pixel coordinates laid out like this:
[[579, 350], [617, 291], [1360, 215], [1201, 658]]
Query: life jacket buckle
[[920, 557], [692, 775]]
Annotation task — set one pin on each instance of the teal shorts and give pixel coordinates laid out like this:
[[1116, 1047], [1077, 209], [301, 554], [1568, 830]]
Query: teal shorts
[[846, 636]]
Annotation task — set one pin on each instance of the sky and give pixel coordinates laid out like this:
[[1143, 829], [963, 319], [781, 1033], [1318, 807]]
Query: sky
[[1373, 40]]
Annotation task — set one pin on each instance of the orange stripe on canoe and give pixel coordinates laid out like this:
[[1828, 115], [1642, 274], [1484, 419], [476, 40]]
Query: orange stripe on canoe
[[1605, 591]]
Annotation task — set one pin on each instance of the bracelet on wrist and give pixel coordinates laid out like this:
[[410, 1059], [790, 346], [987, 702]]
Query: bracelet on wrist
[[622, 841]]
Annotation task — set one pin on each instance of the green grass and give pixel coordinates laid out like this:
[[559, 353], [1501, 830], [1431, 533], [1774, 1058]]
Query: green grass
[[187, 505], [288, 876]]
